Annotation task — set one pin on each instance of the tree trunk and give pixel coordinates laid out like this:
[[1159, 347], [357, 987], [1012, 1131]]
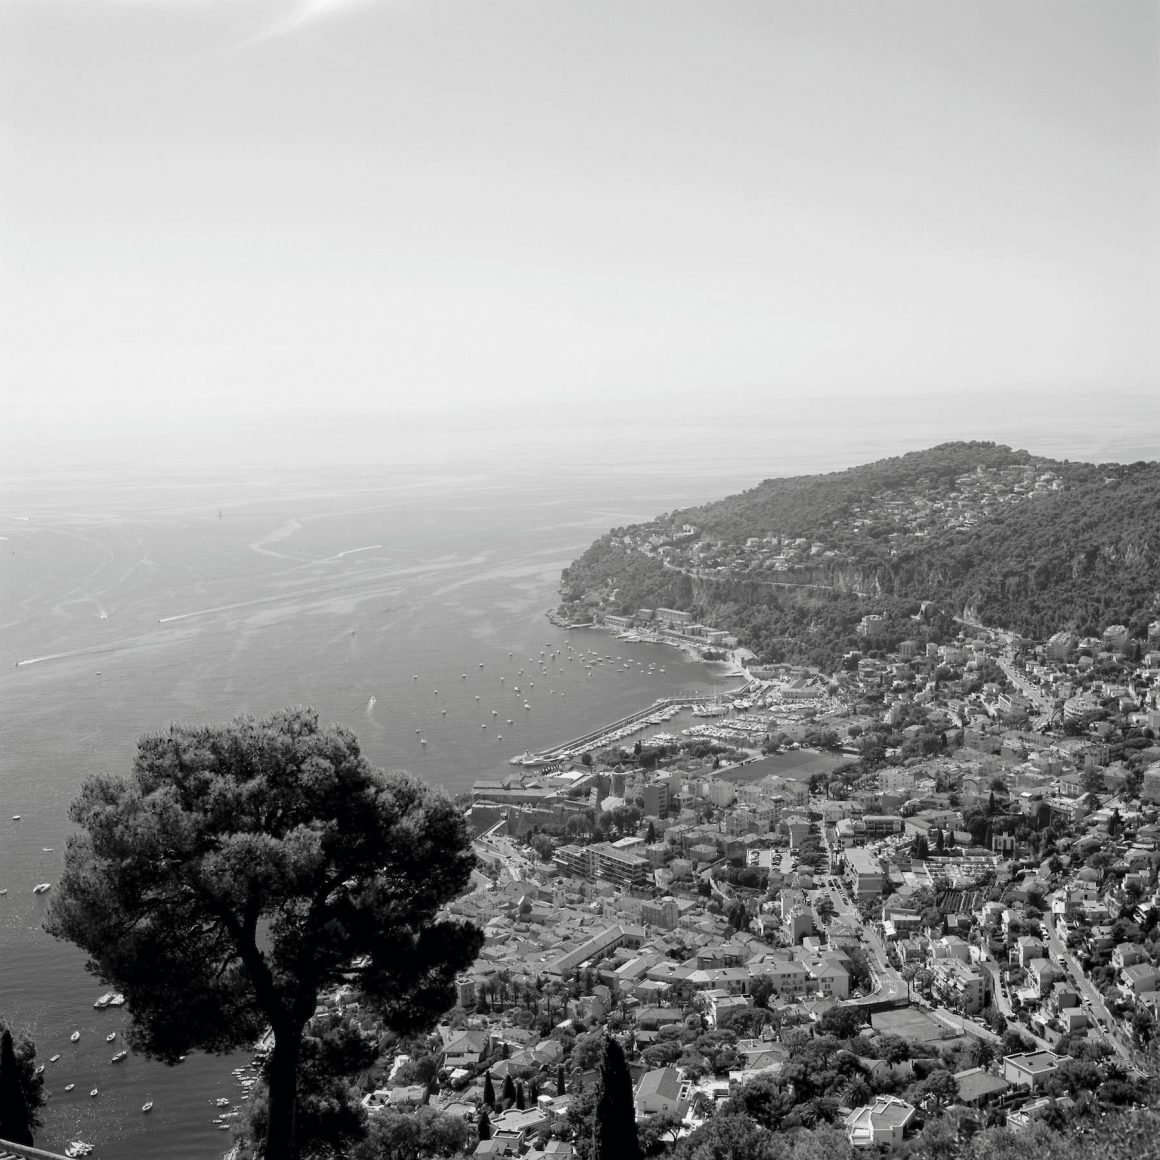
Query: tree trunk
[[282, 1079]]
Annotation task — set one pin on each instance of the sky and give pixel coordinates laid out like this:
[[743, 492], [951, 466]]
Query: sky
[[228, 225]]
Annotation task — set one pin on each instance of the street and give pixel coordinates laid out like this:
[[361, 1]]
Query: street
[[1088, 991]]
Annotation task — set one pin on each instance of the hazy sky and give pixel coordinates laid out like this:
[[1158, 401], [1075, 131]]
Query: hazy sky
[[240, 215]]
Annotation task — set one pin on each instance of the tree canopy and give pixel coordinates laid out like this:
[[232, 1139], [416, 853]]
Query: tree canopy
[[242, 869], [16, 1114]]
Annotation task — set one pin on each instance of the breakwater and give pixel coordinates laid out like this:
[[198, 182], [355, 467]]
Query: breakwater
[[658, 711]]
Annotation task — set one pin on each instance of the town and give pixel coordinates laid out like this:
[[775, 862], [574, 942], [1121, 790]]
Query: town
[[917, 894]]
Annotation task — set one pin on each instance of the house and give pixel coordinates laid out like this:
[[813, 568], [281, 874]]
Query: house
[[1027, 948], [1139, 978], [977, 1086], [1128, 954], [881, 1124], [1036, 1109], [1043, 974], [662, 1090], [1030, 1068], [497, 1146]]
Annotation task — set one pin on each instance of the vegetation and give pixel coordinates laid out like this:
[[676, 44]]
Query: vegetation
[[615, 1117], [1081, 557], [241, 870], [21, 1091]]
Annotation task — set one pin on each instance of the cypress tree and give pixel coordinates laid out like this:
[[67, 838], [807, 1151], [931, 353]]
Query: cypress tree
[[484, 1124], [560, 1089], [488, 1090], [520, 1103], [509, 1090], [615, 1118], [15, 1121]]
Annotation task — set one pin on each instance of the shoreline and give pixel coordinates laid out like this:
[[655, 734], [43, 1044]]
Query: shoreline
[[638, 720]]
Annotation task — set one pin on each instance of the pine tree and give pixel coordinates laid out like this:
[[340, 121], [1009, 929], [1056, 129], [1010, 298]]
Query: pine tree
[[615, 1118], [488, 1090], [15, 1120]]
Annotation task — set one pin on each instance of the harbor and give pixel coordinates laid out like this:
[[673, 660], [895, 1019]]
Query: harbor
[[658, 713]]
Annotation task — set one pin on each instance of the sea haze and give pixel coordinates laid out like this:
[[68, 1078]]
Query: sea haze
[[391, 598], [376, 599]]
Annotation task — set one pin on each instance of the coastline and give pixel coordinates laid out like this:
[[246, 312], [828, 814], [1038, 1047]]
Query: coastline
[[638, 720]]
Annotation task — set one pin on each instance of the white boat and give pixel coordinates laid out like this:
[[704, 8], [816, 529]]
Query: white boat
[[103, 1001], [42, 888], [222, 1102], [78, 1147], [4, 891], [68, 1087], [118, 1000], [147, 1106], [110, 1037], [54, 1058], [75, 1036], [119, 1056], [94, 1092]]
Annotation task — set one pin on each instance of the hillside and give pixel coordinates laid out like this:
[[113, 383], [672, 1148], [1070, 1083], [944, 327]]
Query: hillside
[[977, 529]]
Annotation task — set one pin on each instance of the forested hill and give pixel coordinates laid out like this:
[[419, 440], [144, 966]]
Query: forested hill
[[978, 529]]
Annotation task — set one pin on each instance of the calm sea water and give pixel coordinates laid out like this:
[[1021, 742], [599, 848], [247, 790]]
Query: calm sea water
[[392, 599]]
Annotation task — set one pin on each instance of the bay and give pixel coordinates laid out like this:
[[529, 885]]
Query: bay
[[392, 595]]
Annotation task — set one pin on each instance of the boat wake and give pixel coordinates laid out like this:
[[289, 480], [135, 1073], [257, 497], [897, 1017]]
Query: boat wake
[[349, 552]]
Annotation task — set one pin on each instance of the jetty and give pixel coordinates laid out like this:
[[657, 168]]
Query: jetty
[[10, 1151], [664, 708]]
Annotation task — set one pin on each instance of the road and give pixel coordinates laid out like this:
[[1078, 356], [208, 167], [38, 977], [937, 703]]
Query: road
[[513, 860], [1042, 704], [889, 984], [1088, 991]]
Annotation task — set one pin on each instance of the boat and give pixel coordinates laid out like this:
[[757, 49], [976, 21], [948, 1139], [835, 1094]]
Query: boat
[[68, 1087], [78, 1147], [94, 1092], [16, 817], [4, 891], [75, 1036], [118, 1000], [39, 1070], [103, 1001], [54, 1058], [42, 888], [222, 1102], [119, 1056], [147, 1106], [110, 1037]]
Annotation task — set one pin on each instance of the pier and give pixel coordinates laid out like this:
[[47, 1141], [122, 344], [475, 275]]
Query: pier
[[607, 734]]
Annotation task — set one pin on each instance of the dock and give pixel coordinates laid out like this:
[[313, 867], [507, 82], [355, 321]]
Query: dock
[[607, 734]]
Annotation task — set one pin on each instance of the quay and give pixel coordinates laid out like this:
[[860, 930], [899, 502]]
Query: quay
[[10, 1151], [628, 724]]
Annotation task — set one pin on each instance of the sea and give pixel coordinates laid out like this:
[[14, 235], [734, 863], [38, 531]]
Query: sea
[[403, 597]]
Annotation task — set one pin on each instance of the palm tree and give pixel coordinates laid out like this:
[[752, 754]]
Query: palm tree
[[982, 1053]]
